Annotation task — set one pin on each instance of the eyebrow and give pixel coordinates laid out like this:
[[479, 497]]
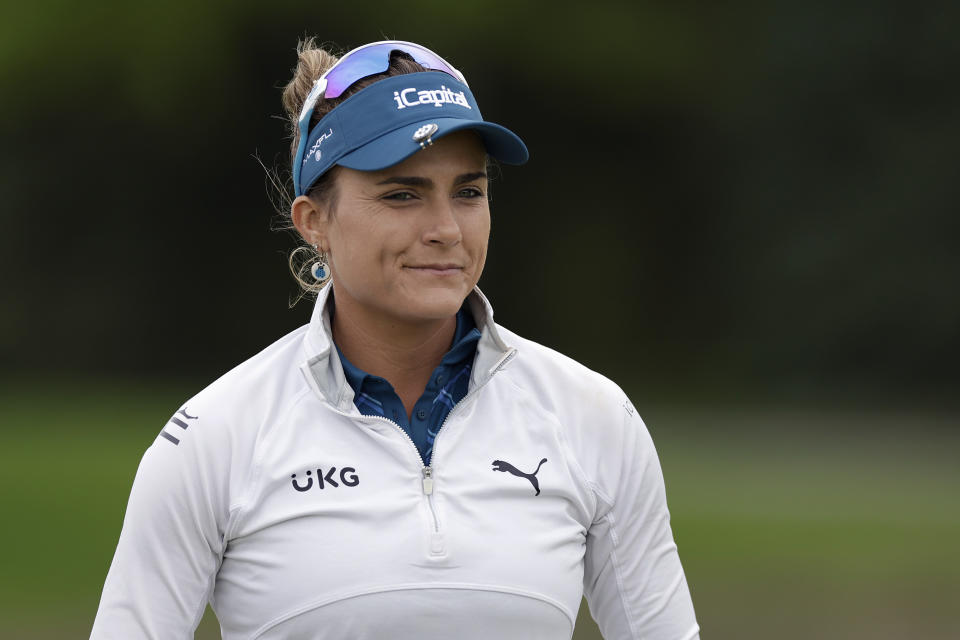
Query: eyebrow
[[417, 181]]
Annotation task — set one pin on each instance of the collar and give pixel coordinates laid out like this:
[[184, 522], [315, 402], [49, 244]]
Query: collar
[[325, 373], [463, 345]]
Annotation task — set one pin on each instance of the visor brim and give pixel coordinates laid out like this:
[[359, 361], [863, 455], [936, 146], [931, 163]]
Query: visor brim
[[398, 145]]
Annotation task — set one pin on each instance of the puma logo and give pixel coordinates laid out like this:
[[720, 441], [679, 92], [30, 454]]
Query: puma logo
[[500, 465]]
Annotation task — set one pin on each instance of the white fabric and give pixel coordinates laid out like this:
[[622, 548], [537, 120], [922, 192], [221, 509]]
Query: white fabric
[[217, 517]]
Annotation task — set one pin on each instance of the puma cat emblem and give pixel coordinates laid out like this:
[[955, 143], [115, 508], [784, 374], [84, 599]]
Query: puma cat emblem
[[506, 467]]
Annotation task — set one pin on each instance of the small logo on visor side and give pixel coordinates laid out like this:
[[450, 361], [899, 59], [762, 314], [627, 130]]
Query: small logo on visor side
[[315, 149]]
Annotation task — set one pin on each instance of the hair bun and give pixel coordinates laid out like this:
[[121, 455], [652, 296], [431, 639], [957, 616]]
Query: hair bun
[[312, 62]]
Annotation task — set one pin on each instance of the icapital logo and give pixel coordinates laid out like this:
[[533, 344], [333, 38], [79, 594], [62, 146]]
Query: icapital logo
[[436, 97], [315, 149]]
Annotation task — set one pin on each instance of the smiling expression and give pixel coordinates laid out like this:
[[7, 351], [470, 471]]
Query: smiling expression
[[409, 242]]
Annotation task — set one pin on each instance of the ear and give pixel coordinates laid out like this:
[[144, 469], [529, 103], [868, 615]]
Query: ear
[[311, 219]]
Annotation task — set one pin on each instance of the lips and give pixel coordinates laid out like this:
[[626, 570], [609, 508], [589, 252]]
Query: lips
[[436, 268]]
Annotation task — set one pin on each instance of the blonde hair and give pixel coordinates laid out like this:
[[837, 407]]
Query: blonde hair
[[313, 61]]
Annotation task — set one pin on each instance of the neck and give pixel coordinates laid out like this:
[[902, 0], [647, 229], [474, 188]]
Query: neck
[[403, 353]]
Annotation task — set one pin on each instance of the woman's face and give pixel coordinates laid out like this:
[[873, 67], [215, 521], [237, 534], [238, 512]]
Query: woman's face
[[409, 242]]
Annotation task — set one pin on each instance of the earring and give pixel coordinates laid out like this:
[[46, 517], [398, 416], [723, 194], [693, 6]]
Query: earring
[[319, 269]]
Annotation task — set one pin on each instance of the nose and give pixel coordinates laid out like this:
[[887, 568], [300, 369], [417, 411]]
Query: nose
[[442, 227]]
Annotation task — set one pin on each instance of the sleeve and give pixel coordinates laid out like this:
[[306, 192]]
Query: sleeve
[[633, 581], [172, 539]]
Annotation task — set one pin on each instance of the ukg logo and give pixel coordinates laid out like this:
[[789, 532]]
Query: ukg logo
[[348, 478]]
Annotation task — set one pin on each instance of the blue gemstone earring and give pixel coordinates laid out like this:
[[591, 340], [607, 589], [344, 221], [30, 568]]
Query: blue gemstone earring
[[319, 269]]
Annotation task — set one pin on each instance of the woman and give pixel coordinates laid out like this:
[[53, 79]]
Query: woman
[[402, 466]]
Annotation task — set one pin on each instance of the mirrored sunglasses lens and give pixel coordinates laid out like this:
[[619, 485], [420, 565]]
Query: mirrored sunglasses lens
[[360, 65], [430, 60], [374, 60]]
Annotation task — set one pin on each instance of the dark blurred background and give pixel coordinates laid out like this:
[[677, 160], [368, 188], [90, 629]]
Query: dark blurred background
[[745, 213]]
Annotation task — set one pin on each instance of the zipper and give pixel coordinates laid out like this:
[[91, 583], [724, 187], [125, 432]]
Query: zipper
[[426, 470], [502, 361], [427, 481]]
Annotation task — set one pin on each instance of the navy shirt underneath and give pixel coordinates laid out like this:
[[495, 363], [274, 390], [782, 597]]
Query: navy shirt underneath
[[374, 396]]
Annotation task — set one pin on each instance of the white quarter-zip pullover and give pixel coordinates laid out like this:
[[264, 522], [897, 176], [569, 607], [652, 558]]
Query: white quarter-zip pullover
[[270, 496]]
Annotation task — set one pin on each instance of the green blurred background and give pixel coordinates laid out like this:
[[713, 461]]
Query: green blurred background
[[745, 213]]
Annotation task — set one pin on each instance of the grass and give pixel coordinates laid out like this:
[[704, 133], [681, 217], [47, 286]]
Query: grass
[[809, 524]]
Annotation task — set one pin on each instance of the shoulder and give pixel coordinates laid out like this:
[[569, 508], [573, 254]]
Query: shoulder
[[212, 439], [561, 382], [228, 416], [605, 435], [258, 382], [262, 378]]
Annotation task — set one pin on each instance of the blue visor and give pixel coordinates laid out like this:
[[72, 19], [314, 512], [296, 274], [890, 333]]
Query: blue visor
[[394, 118]]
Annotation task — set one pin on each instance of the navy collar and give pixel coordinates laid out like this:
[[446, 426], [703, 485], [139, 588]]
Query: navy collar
[[465, 339]]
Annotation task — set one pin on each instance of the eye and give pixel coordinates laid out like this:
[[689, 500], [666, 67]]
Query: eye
[[470, 192], [399, 196]]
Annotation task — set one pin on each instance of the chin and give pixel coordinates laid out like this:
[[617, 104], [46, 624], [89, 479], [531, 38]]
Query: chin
[[434, 304]]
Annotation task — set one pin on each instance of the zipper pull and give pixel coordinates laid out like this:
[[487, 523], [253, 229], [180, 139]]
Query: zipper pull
[[427, 480]]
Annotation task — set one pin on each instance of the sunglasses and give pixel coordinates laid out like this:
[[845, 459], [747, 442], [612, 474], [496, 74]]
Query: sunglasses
[[360, 63]]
